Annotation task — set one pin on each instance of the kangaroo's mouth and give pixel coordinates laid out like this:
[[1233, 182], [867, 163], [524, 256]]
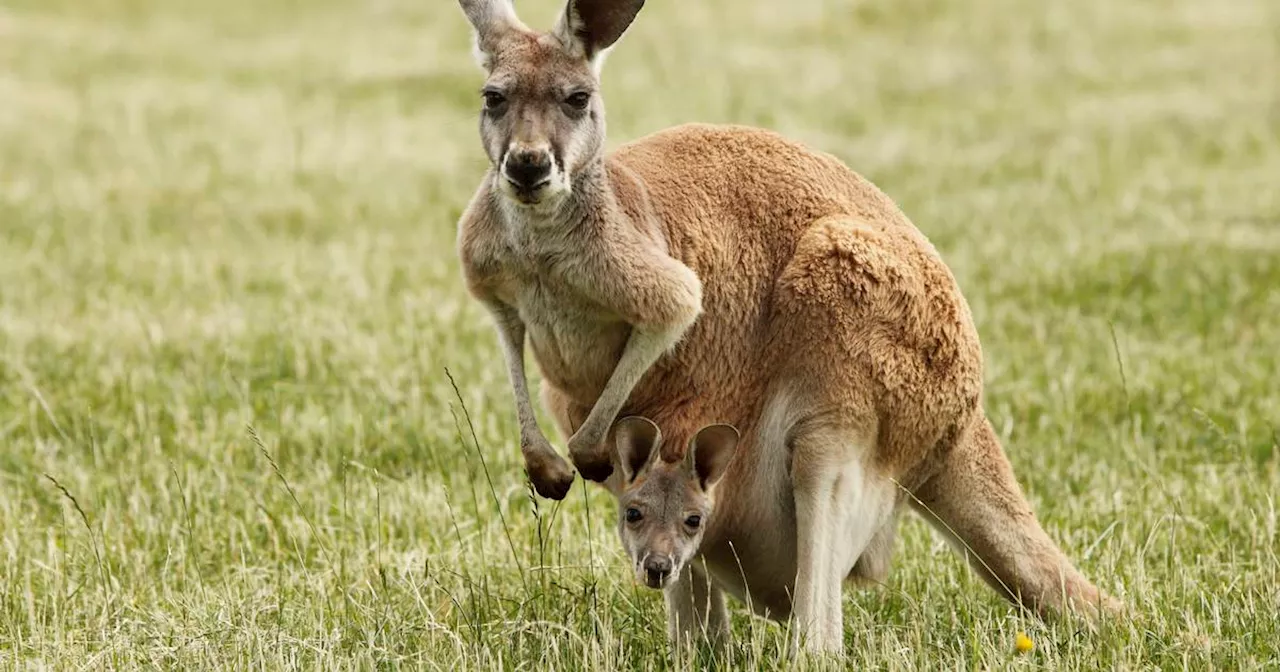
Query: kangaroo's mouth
[[527, 194]]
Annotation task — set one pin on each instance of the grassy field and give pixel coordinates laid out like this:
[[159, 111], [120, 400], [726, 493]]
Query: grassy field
[[228, 297]]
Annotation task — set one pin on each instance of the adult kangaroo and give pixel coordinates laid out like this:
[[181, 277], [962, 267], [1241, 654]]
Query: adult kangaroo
[[726, 274]]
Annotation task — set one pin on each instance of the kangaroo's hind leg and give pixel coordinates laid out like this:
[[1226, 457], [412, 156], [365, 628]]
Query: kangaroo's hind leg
[[841, 503], [975, 500]]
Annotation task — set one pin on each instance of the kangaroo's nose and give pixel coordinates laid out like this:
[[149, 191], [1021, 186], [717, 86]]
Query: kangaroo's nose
[[656, 571], [528, 168]]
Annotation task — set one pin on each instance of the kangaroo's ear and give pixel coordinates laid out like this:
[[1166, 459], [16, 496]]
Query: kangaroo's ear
[[490, 19], [710, 452], [636, 438], [590, 27]]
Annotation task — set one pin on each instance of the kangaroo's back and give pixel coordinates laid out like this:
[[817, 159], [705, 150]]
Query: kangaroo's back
[[711, 183]]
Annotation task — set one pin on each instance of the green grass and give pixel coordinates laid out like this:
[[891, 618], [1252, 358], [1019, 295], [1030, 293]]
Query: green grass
[[224, 214]]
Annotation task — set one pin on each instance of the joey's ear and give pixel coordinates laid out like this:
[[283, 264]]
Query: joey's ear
[[636, 439], [589, 27], [710, 452], [490, 19]]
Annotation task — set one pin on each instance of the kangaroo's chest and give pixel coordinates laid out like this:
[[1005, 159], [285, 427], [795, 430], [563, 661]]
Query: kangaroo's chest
[[575, 341]]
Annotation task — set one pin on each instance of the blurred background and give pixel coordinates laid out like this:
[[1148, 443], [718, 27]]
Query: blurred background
[[229, 294]]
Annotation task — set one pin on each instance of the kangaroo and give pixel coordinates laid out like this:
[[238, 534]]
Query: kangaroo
[[726, 272]]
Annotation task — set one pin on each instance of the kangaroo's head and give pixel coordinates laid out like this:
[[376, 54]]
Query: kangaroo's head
[[542, 120], [666, 496]]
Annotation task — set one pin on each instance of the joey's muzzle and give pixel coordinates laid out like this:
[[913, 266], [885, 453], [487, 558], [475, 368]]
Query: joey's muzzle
[[657, 571]]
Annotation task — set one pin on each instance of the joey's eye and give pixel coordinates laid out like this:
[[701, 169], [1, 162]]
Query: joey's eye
[[693, 522], [493, 100], [634, 516], [578, 101]]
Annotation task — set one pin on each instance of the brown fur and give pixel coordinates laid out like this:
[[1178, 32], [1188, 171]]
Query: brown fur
[[799, 304]]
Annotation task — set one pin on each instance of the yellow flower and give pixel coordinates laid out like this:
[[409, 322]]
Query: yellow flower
[[1023, 643]]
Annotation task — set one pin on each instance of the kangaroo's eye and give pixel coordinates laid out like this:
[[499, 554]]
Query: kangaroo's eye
[[634, 516], [493, 100], [693, 521], [579, 100]]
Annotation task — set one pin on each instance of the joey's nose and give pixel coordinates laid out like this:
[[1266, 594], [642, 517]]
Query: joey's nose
[[526, 168], [656, 571]]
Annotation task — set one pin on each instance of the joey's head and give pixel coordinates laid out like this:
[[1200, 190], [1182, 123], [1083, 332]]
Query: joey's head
[[541, 118], [667, 495]]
